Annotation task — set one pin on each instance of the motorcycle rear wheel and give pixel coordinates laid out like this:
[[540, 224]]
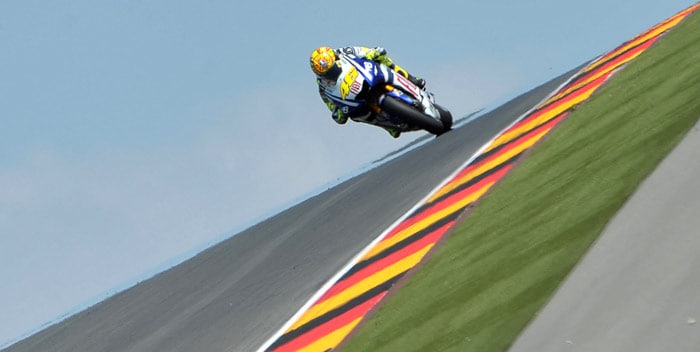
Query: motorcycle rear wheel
[[412, 116], [445, 117]]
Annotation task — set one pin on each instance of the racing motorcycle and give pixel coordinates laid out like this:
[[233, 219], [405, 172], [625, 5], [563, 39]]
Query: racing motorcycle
[[372, 93]]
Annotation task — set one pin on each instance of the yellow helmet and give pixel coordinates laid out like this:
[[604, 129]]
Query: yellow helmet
[[322, 60]]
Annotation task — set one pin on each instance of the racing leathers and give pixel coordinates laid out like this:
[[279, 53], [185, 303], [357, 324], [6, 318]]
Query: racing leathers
[[377, 54]]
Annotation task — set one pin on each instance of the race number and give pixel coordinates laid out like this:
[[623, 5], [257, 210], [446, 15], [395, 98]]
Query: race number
[[349, 79]]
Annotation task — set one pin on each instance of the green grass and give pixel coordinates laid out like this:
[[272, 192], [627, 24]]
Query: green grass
[[502, 264]]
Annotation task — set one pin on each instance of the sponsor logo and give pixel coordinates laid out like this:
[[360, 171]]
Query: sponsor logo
[[355, 88]]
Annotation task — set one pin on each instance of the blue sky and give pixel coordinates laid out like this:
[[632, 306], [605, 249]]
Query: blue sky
[[135, 133]]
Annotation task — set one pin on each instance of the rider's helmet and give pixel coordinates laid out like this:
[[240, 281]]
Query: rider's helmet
[[323, 62]]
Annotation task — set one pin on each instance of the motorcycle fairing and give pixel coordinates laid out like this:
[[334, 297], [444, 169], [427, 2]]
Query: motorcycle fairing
[[350, 92]]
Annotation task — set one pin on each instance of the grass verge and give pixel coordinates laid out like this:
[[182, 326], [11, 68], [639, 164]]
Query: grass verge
[[502, 264]]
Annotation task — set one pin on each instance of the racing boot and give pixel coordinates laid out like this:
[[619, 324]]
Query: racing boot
[[417, 81]]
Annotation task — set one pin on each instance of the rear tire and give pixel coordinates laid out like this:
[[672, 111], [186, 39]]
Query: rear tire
[[414, 117], [445, 117]]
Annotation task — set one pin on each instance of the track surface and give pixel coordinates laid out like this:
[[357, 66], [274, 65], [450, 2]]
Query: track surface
[[637, 288], [235, 295]]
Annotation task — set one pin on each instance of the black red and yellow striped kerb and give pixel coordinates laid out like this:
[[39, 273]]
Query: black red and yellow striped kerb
[[326, 322]]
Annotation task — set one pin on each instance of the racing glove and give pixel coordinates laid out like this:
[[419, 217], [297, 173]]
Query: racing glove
[[378, 54]]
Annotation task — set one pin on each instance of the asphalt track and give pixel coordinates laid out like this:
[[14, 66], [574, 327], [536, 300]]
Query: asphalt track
[[638, 287], [235, 295]]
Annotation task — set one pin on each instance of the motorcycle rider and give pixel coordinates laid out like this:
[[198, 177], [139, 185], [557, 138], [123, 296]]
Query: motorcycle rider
[[324, 64]]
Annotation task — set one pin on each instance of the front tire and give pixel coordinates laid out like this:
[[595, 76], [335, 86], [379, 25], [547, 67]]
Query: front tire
[[396, 107]]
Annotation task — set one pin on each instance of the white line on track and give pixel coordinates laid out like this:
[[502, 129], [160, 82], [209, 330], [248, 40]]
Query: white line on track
[[420, 203]]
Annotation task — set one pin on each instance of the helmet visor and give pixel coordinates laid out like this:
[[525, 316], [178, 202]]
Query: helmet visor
[[332, 73]]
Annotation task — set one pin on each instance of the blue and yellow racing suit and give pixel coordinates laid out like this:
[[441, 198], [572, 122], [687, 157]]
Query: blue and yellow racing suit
[[377, 54]]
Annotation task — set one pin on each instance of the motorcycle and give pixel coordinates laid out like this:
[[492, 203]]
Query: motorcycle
[[372, 93]]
